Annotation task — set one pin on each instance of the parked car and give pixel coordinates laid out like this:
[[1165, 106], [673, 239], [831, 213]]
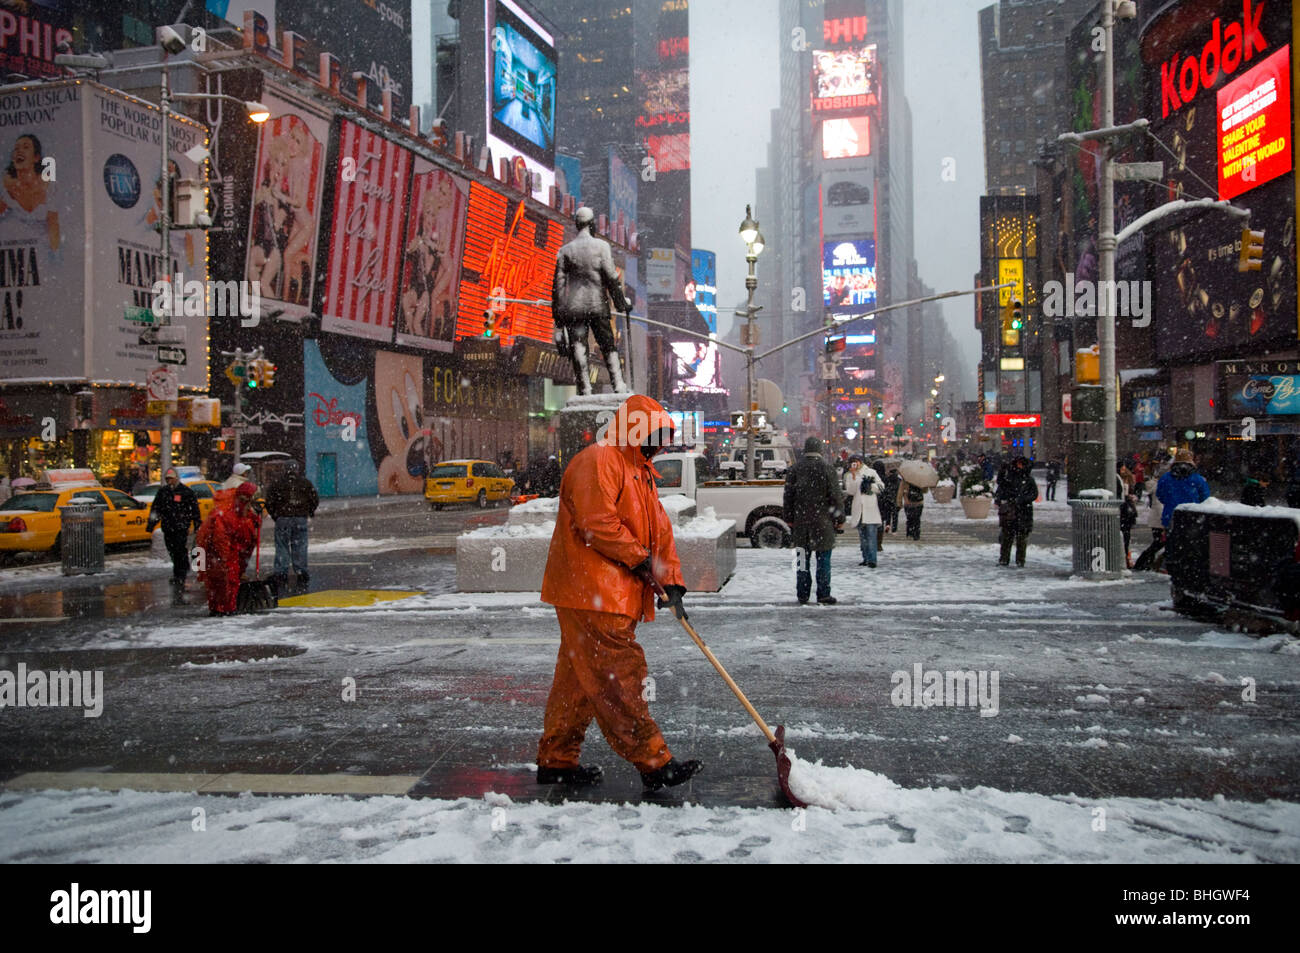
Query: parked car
[[31, 521], [467, 481]]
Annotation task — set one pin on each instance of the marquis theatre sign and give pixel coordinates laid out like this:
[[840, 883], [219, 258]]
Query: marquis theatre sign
[[1260, 388]]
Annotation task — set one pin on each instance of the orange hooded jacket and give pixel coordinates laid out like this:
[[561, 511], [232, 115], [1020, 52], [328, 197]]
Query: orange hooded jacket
[[610, 520]]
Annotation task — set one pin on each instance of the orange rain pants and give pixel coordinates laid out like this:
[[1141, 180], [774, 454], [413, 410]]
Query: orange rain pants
[[599, 673]]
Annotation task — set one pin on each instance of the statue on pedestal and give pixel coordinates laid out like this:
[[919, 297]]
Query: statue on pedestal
[[585, 283]]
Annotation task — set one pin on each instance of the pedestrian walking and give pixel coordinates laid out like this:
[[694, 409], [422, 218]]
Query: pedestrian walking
[[1015, 499], [813, 504], [225, 541], [882, 502], [1128, 517], [176, 508], [889, 502], [864, 486], [1155, 509], [612, 539], [911, 499], [1182, 484], [291, 501], [1053, 476]]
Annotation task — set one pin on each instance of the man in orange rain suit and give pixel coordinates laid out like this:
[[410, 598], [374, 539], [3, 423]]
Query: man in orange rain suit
[[226, 539], [612, 537]]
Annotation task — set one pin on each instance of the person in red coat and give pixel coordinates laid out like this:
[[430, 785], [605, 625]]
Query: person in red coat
[[226, 540]]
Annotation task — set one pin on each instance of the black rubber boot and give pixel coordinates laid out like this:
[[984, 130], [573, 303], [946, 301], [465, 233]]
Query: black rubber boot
[[670, 775], [583, 774]]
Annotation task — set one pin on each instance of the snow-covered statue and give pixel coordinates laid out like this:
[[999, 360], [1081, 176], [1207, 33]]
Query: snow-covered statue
[[585, 283]]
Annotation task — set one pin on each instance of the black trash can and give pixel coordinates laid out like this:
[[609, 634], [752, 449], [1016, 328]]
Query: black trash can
[[1098, 546]]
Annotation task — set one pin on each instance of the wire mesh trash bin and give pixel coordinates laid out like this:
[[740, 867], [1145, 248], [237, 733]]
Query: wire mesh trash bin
[[1094, 533], [81, 537]]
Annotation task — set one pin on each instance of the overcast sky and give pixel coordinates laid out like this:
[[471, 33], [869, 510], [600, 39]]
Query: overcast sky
[[735, 85]]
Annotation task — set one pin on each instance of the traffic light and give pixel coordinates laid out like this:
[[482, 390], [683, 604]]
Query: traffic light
[[267, 376], [252, 372], [1013, 319], [938, 415], [489, 323], [785, 408], [880, 415], [1252, 251]]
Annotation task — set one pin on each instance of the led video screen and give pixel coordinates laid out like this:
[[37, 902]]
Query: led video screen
[[697, 367], [849, 276], [846, 138], [523, 86], [845, 79]]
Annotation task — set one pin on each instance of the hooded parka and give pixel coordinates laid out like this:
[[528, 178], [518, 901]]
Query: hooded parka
[[610, 520]]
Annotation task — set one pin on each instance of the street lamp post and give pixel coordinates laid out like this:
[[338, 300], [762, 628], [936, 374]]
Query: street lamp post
[[753, 240]]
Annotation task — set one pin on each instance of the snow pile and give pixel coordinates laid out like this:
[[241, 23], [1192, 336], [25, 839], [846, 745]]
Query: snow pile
[[840, 789], [677, 506], [1217, 507], [512, 531], [543, 505]]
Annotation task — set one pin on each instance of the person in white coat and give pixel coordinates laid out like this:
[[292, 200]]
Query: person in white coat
[[864, 487]]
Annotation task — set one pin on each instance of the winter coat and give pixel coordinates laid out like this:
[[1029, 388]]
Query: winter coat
[[610, 520], [227, 538], [177, 508], [889, 499], [864, 508], [1053, 472], [1015, 499], [1252, 492], [1182, 484], [813, 503], [292, 495]]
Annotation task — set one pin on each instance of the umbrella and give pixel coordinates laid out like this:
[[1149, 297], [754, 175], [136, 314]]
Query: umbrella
[[918, 473]]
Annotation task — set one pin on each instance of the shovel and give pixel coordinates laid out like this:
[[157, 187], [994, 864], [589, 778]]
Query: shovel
[[775, 741]]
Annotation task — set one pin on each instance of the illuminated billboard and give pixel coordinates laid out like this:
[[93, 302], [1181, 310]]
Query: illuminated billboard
[[510, 247], [846, 200], [849, 276], [1254, 113], [847, 138], [702, 291], [697, 367], [845, 79], [523, 84]]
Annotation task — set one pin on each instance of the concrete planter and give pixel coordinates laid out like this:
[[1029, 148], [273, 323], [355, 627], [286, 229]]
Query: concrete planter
[[943, 494], [976, 507]]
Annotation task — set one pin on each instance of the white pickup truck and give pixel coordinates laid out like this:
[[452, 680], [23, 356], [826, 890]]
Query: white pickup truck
[[755, 505]]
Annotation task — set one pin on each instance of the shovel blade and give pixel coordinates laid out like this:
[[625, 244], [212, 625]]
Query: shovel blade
[[783, 767]]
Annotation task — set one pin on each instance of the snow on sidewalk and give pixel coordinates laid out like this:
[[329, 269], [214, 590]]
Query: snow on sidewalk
[[893, 825]]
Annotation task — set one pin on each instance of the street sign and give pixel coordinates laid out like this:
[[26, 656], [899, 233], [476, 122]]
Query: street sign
[[227, 433], [171, 355], [162, 385], [171, 334], [898, 430], [156, 408], [1139, 171], [251, 429], [142, 315], [148, 337]]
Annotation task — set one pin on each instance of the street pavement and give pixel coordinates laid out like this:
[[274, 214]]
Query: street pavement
[[1103, 693]]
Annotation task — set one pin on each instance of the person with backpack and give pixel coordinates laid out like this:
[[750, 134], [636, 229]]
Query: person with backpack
[[1053, 475], [864, 486], [1182, 484], [911, 499], [889, 502]]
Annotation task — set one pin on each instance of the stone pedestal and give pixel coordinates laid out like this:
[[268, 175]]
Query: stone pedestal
[[581, 421], [512, 558]]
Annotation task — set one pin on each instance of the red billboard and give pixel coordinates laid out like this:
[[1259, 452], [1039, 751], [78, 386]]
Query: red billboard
[[1254, 112], [847, 138], [510, 248], [373, 177]]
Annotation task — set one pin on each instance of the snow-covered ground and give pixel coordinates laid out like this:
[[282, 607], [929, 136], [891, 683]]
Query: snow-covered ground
[[879, 822]]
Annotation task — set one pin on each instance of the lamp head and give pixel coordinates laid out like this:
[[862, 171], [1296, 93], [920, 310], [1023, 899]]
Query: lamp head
[[749, 227], [257, 112]]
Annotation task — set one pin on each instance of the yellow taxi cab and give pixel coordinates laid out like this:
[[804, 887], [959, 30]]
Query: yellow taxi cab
[[205, 490], [30, 520], [466, 481]]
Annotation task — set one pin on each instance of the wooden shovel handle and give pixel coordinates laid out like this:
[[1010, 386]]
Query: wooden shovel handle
[[695, 637]]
